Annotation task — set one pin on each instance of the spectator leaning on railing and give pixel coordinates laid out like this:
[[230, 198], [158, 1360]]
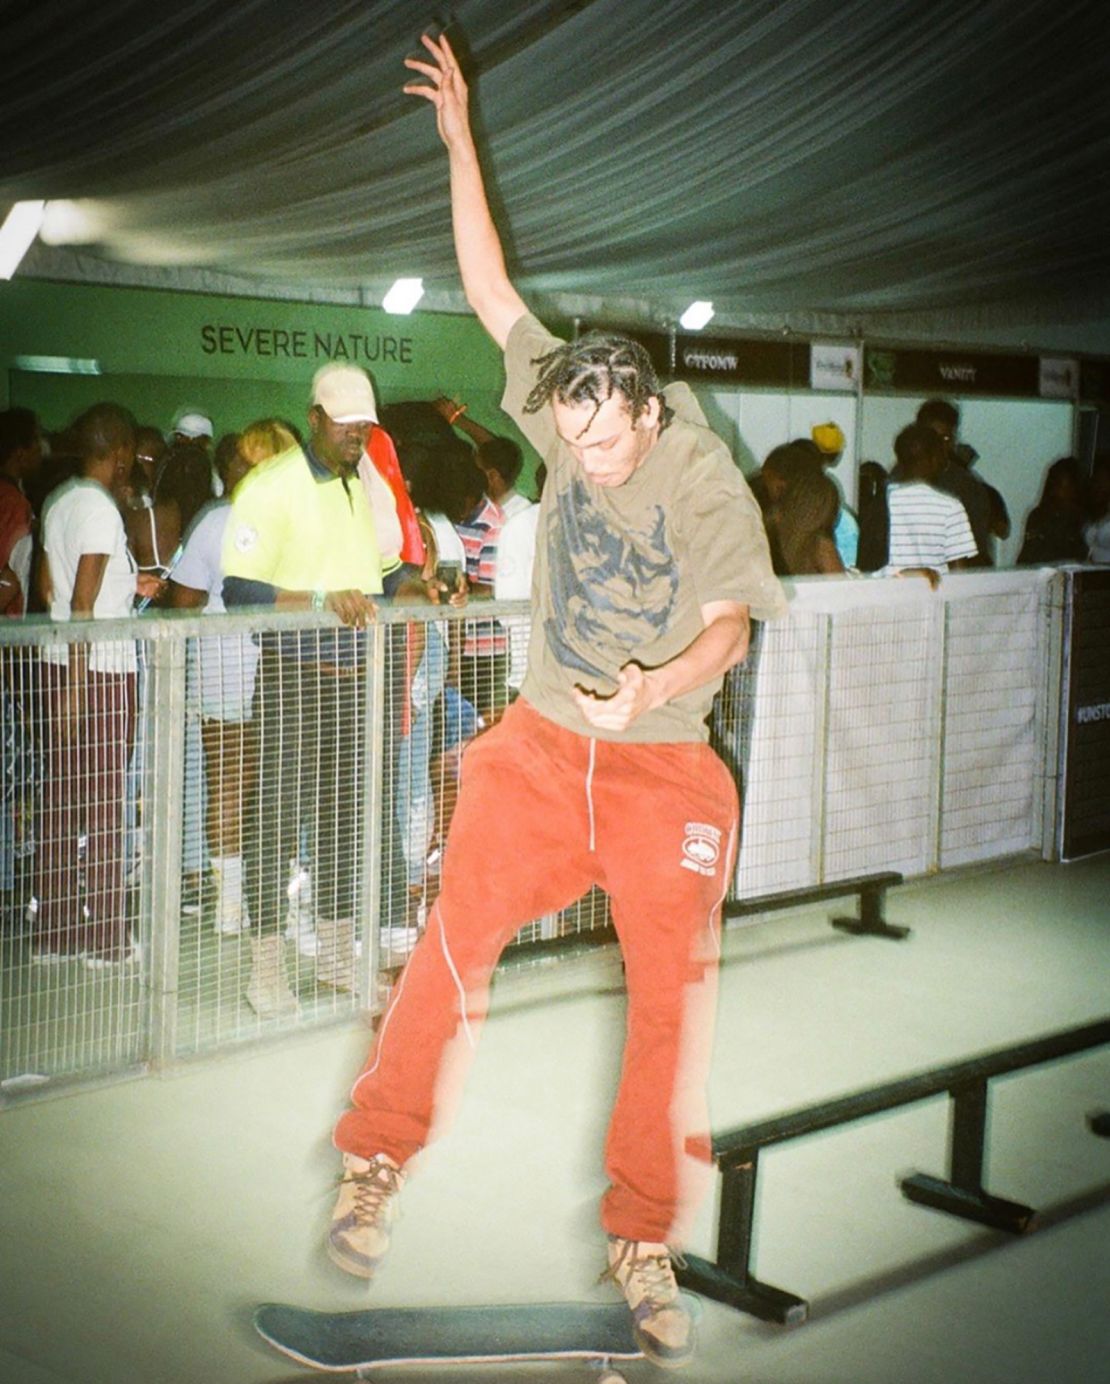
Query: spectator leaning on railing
[[221, 673], [928, 529], [302, 537], [88, 693]]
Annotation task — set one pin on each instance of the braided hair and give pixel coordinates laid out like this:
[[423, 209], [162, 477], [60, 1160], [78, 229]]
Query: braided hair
[[592, 369]]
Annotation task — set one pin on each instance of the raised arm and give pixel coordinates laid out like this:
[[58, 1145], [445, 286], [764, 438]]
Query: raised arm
[[477, 244]]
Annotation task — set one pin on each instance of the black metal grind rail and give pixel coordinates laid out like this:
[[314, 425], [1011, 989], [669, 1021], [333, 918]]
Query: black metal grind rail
[[870, 922], [870, 889], [736, 1152]]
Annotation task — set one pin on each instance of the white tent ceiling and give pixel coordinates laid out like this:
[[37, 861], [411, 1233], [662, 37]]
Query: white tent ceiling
[[931, 169]]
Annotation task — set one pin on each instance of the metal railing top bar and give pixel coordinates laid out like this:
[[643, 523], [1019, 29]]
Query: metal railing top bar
[[39, 630], [732, 1147], [810, 594], [832, 594]]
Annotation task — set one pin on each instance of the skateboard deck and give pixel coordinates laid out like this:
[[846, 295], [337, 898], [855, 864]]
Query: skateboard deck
[[357, 1341]]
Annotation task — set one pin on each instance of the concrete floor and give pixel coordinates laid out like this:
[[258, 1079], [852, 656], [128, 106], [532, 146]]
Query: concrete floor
[[140, 1222]]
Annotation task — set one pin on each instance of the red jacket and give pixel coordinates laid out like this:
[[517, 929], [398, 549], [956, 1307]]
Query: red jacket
[[383, 455]]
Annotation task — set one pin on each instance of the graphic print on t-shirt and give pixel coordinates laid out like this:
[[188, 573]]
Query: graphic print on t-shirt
[[612, 593]]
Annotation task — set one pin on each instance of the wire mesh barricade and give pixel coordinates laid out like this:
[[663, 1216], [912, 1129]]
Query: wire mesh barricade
[[71, 990], [236, 825], [887, 727]]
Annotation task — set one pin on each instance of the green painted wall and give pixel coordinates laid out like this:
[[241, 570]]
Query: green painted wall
[[236, 358]]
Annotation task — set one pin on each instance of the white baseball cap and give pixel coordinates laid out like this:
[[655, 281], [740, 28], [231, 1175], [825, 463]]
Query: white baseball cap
[[192, 424], [345, 394]]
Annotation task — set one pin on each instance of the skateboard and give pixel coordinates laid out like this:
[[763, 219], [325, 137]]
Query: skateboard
[[358, 1342]]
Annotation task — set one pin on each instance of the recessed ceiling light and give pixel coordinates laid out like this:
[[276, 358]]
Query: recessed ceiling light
[[696, 316], [403, 296], [18, 231], [57, 365]]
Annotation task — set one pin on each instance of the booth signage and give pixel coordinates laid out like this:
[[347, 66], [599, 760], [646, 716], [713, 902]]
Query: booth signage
[[231, 339], [1059, 378], [834, 365], [952, 372], [736, 361]]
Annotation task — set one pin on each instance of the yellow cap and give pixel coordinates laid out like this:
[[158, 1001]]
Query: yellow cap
[[829, 438]]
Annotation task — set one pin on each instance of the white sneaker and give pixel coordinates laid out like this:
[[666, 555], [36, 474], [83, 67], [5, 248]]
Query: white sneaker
[[300, 918], [302, 931], [399, 941], [115, 958], [358, 1236], [231, 915], [661, 1320]]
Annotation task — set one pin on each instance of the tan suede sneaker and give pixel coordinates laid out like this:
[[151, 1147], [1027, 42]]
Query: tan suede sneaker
[[358, 1237], [661, 1320]]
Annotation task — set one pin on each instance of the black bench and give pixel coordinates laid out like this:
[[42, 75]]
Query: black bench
[[736, 1152]]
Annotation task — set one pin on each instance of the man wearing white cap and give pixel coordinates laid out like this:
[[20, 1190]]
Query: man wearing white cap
[[190, 425], [301, 536]]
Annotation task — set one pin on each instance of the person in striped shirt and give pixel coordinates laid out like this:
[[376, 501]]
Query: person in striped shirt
[[928, 528], [484, 664]]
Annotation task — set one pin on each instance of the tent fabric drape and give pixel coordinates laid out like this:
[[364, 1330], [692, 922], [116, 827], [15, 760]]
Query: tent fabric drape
[[824, 166]]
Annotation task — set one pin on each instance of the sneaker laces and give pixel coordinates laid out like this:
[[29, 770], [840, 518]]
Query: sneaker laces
[[653, 1274], [373, 1190]]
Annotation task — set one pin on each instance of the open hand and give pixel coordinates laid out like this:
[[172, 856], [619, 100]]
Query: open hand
[[447, 92]]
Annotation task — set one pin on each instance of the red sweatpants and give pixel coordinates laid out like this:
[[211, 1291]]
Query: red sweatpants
[[543, 814]]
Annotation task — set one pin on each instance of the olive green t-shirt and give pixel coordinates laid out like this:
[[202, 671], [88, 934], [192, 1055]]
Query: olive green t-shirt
[[621, 573]]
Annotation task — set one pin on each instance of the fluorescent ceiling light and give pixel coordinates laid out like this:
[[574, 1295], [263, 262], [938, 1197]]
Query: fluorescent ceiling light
[[72, 223], [17, 233], [57, 365], [403, 296], [696, 316]]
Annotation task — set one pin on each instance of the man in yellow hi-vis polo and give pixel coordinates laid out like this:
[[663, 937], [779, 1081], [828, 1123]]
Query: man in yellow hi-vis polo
[[301, 536]]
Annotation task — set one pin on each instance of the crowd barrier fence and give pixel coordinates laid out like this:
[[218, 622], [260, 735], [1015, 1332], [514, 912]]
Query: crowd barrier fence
[[880, 727]]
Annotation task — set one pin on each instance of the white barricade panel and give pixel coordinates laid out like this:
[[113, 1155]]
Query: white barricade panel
[[771, 737], [881, 742], [994, 727]]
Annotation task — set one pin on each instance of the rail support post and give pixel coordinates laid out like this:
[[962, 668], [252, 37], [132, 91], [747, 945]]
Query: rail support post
[[962, 1194], [729, 1279], [871, 922]]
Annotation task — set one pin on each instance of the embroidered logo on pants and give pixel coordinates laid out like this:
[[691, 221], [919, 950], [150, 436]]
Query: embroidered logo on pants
[[701, 849]]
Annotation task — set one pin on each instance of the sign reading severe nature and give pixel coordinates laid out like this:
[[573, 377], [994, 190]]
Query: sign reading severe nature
[[360, 348]]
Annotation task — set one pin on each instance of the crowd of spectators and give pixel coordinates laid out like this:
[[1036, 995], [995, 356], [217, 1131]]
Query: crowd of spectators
[[929, 513], [421, 503], [110, 517]]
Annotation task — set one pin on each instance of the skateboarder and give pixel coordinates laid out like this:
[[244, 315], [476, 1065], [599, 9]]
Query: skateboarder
[[650, 558]]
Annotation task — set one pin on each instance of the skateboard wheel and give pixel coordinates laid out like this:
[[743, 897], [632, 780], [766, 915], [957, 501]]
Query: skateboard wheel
[[611, 1377]]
